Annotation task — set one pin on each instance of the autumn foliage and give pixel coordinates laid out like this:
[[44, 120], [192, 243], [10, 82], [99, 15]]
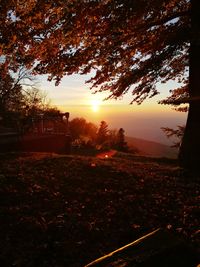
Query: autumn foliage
[[128, 45], [125, 42]]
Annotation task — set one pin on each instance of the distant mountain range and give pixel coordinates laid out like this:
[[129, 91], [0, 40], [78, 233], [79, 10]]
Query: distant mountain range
[[150, 148]]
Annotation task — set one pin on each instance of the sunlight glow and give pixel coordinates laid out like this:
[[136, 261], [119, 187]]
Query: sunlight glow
[[95, 104]]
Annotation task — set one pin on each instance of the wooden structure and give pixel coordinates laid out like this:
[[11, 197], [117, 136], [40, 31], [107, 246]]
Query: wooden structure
[[49, 124], [45, 134]]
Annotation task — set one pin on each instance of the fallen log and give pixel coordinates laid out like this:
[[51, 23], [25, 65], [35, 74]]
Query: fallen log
[[158, 248]]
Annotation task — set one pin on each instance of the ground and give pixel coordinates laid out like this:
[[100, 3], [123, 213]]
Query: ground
[[59, 210]]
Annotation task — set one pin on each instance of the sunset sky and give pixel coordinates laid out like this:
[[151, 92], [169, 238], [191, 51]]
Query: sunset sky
[[143, 121]]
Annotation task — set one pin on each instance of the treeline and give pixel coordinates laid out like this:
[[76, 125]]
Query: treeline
[[88, 136], [20, 101]]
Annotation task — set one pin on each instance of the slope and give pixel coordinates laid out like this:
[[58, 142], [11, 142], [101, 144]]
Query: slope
[[150, 148]]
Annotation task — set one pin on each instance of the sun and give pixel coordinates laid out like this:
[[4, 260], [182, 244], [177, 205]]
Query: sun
[[95, 105]]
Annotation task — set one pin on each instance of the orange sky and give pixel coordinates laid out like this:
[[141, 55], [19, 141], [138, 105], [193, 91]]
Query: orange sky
[[143, 121]]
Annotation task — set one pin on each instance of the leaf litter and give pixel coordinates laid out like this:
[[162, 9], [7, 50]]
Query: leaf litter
[[68, 210]]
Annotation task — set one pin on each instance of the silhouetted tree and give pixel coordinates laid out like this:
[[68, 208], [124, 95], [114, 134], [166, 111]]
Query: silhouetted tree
[[112, 137], [91, 131], [18, 106], [126, 42], [121, 144], [36, 102], [175, 133], [11, 100], [79, 127], [102, 134]]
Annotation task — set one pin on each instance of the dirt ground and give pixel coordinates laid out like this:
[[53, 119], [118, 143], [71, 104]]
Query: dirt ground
[[68, 210]]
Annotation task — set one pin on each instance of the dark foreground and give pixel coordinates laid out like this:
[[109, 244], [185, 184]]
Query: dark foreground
[[68, 210]]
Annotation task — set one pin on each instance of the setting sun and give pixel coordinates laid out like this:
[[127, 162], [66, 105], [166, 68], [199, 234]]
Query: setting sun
[[95, 105]]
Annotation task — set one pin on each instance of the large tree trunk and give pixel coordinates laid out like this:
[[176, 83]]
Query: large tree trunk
[[189, 155]]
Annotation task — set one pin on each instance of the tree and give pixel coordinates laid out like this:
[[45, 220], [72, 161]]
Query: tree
[[11, 100], [129, 44], [112, 137], [18, 105], [177, 98], [91, 131], [10, 93], [16, 96], [36, 101], [102, 134], [175, 133], [79, 127], [121, 144]]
